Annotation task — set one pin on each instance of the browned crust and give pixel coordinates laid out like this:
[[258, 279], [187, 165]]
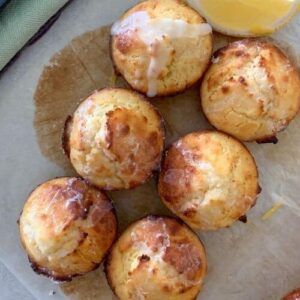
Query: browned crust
[[40, 270], [259, 189], [243, 219], [265, 140], [144, 93], [294, 295], [166, 93], [171, 194], [162, 128], [249, 42], [172, 255], [268, 140], [118, 143], [163, 164], [219, 53], [47, 273], [107, 261]]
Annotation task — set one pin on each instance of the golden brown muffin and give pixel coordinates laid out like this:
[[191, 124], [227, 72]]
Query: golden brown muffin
[[251, 91], [66, 228], [161, 47], [209, 180], [115, 139], [157, 258], [294, 295]]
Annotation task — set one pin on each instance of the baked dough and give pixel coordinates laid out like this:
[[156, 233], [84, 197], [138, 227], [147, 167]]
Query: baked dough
[[251, 91], [115, 139], [66, 228], [157, 258], [209, 180], [161, 47]]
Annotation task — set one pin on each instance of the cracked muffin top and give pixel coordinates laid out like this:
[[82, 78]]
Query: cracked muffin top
[[115, 139], [209, 180], [251, 91], [161, 47], [157, 258], [66, 228]]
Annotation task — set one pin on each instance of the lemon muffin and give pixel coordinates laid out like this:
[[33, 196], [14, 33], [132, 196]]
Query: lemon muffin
[[294, 295], [66, 228], [161, 47], [251, 91], [209, 180], [115, 139], [157, 258]]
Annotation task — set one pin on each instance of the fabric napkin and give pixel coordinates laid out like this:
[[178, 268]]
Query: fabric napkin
[[20, 20]]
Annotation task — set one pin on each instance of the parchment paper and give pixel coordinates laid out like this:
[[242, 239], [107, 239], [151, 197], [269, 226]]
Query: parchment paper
[[259, 260]]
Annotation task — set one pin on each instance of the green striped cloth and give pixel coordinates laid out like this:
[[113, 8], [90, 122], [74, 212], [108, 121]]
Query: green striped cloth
[[20, 20]]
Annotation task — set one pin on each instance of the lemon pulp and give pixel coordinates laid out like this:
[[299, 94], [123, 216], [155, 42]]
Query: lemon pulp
[[256, 17]]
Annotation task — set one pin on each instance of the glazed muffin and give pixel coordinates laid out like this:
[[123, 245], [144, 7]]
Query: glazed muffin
[[115, 139], [66, 228], [161, 47], [294, 295], [209, 180], [157, 258], [251, 91]]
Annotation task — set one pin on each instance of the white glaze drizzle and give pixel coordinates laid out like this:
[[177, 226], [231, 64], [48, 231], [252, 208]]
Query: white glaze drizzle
[[153, 32]]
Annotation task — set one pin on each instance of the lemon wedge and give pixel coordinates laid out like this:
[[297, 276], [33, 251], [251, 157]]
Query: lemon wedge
[[246, 17]]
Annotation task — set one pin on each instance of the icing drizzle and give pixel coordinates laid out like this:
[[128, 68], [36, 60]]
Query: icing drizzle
[[153, 32]]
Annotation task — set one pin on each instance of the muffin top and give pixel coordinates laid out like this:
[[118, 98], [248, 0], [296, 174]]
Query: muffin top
[[157, 258], [66, 228], [115, 139], [251, 91], [209, 180], [161, 47]]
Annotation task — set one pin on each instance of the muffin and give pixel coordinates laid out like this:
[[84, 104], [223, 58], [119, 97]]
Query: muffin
[[66, 228], [294, 295], [209, 180], [115, 139], [161, 47], [251, 91], [157, 258]]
